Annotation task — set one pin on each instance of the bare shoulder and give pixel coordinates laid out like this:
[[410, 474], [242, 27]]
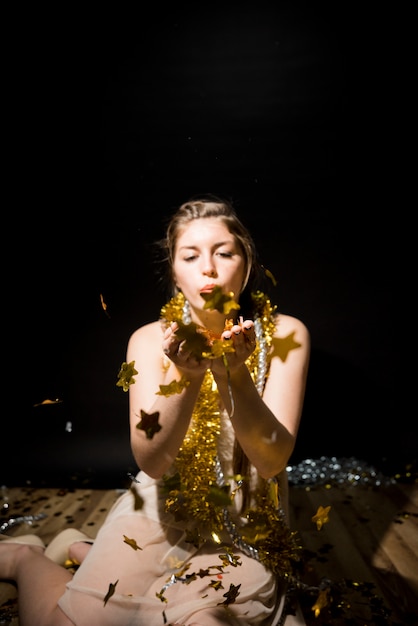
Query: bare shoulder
[[287, 324], [291, 343], [146, 335]]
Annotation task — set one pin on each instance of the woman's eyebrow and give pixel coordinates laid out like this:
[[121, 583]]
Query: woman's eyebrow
[[215, 245]]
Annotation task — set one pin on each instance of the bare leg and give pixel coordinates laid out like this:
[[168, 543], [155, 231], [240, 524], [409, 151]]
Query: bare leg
[[78, 551], [40, 583]]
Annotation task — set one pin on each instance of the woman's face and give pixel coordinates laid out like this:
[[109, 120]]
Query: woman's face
[[207, 255]]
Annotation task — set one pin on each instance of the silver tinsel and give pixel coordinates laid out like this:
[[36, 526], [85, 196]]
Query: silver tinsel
[[335, 471], [262, 355], [22, 519], [230, 527]]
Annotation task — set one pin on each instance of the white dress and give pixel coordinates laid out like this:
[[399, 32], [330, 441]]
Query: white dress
[[167, 579]]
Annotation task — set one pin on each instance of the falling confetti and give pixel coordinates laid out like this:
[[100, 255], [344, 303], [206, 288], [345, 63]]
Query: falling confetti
[[224, 303], [321, 517], [104, 305], [126, 374], [176, 386], [47, 401], [149, 423]]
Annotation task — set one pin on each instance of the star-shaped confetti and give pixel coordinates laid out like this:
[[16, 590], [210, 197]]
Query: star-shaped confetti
[[104, 305], [321, 517], [202, 573], [216, 584], [283, 345], [176, 386], [190, 578], [321, 602], [111, 591], [219, 348], [270, 275], [222, 302], [231, 595], [229, 558], [149, 423], [48, 401], [195, 340], [161, 597], [131, 542], [126, 374]]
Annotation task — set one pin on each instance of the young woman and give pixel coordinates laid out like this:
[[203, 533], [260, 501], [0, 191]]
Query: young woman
[[216, 389]]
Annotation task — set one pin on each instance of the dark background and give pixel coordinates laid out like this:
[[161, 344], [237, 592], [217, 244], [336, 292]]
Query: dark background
[[116, 120]]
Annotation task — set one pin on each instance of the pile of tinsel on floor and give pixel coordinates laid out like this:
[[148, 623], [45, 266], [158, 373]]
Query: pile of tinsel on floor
[[348, 471]]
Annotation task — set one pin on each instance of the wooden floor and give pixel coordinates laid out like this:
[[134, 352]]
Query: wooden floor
[[367, 550]]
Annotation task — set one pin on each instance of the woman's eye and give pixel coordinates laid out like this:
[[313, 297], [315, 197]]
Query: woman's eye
[[225, 254], [190, 258]]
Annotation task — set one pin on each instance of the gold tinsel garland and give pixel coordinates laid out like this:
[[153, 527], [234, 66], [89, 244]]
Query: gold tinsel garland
[[193, 491]]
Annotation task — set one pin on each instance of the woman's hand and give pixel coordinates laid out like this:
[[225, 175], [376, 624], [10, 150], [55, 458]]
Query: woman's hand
[[242, 336], [181, 354]]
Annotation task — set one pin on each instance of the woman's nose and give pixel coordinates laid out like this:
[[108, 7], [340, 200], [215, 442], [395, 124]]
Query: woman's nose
[[209, 270]]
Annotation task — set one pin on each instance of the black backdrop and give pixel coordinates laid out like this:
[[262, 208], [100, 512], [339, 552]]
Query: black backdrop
[[117, 120]]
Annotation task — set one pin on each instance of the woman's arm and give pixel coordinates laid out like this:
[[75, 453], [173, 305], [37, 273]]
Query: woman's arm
[[172, 413], [267, 427]]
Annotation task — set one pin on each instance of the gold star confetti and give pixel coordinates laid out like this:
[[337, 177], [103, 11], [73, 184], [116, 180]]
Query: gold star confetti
[[216, 584], [321, 602], [47, 401], [126, 374], [104, 305], [111, 591], [131, 542], [270, 275], [190, 578], [176, 386], [161, 597], [194, 339], [283, 345], [219, 348], [149, 423], [231, 595], [321, 516], [224, 303], [203, 572], [230, 559]]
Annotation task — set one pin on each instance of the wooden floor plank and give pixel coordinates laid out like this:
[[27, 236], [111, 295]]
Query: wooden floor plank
[[349, 545], [348, 554], [96, 516]]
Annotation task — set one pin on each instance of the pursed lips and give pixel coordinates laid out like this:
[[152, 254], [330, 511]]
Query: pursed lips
[[207, 288]]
